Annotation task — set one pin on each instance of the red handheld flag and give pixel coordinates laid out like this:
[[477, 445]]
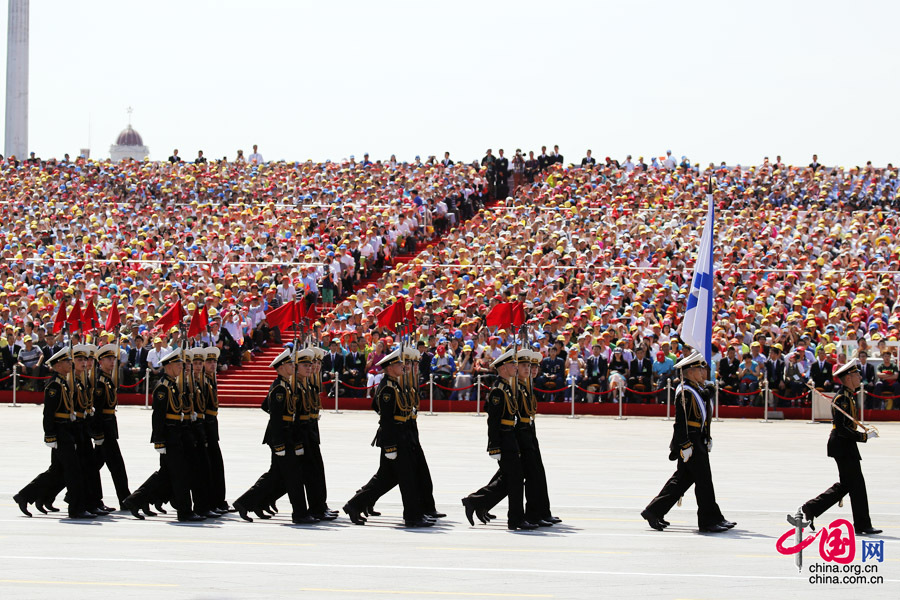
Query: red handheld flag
[[281, 317], [60, 319], [198, 322], [499, 316], [392, 315], [172, 318], [74, 319], [89, 318], [301, 311], [518, 314], [113, 320], [410, 326]]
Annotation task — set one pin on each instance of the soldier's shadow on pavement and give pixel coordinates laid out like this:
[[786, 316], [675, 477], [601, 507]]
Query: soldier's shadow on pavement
[[197, 525], [732, 534]]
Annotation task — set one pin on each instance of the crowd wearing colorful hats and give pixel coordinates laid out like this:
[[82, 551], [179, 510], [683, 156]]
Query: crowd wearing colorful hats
[[601, 254]]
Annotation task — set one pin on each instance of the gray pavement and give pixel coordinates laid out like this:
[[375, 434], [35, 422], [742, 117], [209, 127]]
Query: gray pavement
[[601, 473]]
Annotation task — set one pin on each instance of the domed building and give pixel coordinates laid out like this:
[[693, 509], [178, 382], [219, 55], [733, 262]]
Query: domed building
[[129, 144]]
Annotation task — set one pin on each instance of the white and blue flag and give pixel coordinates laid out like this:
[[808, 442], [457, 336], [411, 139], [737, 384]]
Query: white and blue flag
[[696, 329]]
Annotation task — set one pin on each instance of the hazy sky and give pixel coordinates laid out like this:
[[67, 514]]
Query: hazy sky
[[715, 80]]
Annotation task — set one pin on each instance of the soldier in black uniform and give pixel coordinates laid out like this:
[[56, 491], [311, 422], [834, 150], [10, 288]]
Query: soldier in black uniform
[[502, 410], [313, 464], [281, 404], [846, 433], [170, 428], [195, 439], [211, 423], [106, 435], [87, 432], [398, 457], [59, 435], [690, 446]]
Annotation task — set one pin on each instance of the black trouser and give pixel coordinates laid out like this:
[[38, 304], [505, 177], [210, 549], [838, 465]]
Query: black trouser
[[314, 477], [216, 473], [507, 482], [537, 498], [696, 472], [91, 491], [198, 467], [283, 474], [110, 454], [64, 466], [400, 470], [851, 482], [423, 473]]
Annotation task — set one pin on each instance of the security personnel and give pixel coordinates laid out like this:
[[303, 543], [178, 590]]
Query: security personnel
[[397, 462], [846, 433], [281, 405], [552, 374], [690, 446], [106, 425], [502, 410], [211, 424], [60, 436], [195, 442], [171, 407]]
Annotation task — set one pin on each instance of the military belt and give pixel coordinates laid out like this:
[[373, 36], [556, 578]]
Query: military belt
[[201, 416], [507, 421], [288, 418], [177, 417], [303, 417], [400, 418], [62, 415], [525, 420], [212, 413], [109, 411], [695, 424], [79, 415]]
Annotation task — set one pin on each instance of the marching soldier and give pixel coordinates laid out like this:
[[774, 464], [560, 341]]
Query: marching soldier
[[281, 438], [211, 423], [60, 435], [690, 446], [106, 425], [195, 442], [398, 457], [171, 408], [313, 465], [90, 435], [502, 409], [846, 434]]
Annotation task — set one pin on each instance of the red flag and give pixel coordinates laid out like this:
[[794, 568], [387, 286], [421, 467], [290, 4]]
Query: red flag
[[199, 321], [409, 321], [282, 317], [113, 320], [500, 315], [89, 318], [172, 317], [74, 319], [392, 315], [60, 319], [518, 314], [301, 311]]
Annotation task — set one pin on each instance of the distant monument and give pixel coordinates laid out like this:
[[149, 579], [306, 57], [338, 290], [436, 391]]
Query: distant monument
[[16, 142], [129, 144]]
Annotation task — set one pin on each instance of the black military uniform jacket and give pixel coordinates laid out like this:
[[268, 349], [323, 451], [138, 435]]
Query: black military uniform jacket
[[198, 410], [525, 417], [168, 410], [303, 415], [282, 407], [392, 415], [57, 409], [105, 400], [691, 428], [211, 399], [844, 434], [501, 408]]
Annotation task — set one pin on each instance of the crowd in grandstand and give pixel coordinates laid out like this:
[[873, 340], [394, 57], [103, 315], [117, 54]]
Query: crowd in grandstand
[[600, 252]]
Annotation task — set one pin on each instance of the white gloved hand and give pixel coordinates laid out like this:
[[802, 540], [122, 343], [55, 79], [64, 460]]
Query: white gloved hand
[[871, 433], [495, 456], [161, 450], [72, 416], [709, 445], [686, 453], [279, 453], [299, 451], [98, 442], [193, 416], [390, 455], [51, 445]]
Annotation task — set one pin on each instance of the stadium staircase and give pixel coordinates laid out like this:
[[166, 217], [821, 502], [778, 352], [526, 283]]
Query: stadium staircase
[[248, 384]]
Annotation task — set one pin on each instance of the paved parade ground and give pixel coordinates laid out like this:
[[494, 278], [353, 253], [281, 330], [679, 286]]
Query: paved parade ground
[[601, 473]]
